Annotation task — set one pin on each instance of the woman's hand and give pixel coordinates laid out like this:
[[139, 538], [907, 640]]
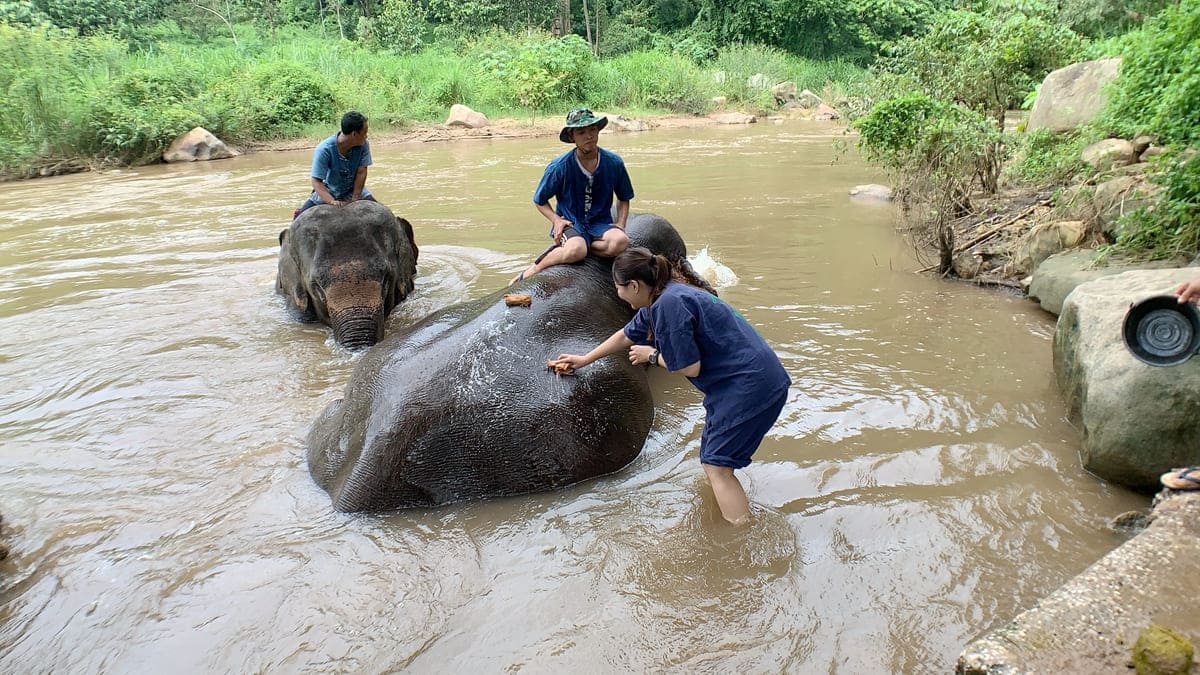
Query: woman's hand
[[568, 363], [639, 354], [1189, 290]]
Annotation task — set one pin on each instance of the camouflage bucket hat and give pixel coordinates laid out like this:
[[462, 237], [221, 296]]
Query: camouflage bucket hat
[[577, 119]]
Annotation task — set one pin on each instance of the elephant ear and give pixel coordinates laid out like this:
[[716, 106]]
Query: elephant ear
[[287, 281], [404, 280]]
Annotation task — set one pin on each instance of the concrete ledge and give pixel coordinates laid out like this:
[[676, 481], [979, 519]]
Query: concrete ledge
[[1089, 625]]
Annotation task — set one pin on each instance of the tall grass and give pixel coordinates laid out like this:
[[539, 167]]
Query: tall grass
[[64, 97]]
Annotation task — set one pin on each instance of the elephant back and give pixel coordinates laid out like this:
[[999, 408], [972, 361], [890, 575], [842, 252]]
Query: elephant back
[[461, 405]]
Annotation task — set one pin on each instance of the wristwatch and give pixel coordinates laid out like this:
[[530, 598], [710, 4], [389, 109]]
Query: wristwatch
[[653, 358]]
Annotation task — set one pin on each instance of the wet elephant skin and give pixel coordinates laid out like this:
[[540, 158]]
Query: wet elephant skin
[[461, 406], [347, 267]]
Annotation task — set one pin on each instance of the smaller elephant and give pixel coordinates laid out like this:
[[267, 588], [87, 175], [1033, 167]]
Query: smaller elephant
[[348, 267]]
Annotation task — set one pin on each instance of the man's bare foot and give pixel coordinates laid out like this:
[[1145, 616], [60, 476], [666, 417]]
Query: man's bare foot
[[530, 271], [1187, 478]]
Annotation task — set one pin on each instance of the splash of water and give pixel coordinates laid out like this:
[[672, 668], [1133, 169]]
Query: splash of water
[[712, 271]]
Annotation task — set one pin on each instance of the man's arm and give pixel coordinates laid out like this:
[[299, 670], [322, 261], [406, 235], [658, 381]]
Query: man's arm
[[622, 213], [318, 187], [360, 180], [557, 222]]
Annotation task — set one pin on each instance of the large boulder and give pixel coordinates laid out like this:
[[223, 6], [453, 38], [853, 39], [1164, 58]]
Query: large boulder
[[197, 145], [1045, 240], [1059, 274], [1117, 197], [1072, 96], [462, 117], [1109, 153], [1137, 420]]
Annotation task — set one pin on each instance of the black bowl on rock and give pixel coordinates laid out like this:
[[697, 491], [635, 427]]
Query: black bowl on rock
[[1160, 331]]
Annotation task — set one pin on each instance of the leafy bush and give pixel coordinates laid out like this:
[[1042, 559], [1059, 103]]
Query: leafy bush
[[1171, 227], [285, 96], [988, 61], [915, 134], [1159, 83], [1050, 158], [136, 134], [936, 151], [539, 71]]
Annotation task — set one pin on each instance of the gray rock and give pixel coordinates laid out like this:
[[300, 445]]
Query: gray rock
[[1142, 143], [463, 117], [1117, 197], [623, 123], [1109, 153], [1045, 240], [197, 145], [1059, 274], [807, 99], [1137, 420], [784, 92], [871, 192], [1072, 96]]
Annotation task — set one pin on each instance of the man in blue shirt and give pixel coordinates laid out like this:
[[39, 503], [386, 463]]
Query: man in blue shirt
[[339, 168], [583, 182]]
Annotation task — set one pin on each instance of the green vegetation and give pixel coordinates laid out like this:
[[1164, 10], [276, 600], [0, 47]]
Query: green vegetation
[[114, 81], [985, 58]]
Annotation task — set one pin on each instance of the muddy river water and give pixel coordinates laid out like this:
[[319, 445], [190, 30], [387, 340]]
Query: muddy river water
[[921, 486]]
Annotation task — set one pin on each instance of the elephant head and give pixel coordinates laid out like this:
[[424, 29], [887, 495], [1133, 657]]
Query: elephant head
[[460, 405], [348, 267]]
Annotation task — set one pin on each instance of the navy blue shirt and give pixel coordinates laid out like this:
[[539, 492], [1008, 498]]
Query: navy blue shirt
[[740, 374], [581, 199]]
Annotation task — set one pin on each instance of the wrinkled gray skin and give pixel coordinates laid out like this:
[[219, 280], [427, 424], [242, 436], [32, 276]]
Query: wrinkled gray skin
[[347, 267], [461, 406]]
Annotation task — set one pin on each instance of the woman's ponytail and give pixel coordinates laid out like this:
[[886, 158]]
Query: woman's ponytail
[[640, 264]]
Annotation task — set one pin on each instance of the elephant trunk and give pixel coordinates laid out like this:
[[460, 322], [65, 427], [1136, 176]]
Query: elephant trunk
[[358, 328], [356, 313]]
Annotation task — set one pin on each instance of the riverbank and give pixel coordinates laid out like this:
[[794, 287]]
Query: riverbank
[[504, 127]]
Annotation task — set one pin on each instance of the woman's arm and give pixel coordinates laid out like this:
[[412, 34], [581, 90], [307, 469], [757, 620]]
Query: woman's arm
[[615, 344]]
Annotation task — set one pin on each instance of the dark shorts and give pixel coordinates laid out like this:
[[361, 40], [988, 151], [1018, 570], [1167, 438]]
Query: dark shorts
[[733, 445], [589, 233], [312, 201]]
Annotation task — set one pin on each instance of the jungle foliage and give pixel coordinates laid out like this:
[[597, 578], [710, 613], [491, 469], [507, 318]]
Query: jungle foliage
[[982, 58]]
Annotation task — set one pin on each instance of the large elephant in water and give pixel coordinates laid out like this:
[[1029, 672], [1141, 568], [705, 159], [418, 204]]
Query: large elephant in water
[[461, 406], [347, 266]]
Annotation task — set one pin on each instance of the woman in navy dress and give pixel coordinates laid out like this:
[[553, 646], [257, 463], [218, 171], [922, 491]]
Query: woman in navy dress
[[692, 332]]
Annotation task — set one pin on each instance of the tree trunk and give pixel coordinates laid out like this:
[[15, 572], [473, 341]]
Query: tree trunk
[[587, 26]]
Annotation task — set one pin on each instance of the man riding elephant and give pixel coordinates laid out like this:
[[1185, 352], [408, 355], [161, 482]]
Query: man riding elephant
[[461, 406], [347, 266]]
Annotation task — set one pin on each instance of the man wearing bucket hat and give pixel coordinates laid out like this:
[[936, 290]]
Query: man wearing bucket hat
[[583, 182]]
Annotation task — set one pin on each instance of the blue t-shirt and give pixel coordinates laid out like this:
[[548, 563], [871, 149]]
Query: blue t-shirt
[[336, 171], [581, 199], [740, 374]]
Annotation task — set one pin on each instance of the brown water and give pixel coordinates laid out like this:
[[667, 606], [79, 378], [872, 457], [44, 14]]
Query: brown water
[[921, 486]]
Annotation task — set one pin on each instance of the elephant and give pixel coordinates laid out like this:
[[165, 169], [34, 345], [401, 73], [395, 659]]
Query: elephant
[[347, 266], [461, 405]]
